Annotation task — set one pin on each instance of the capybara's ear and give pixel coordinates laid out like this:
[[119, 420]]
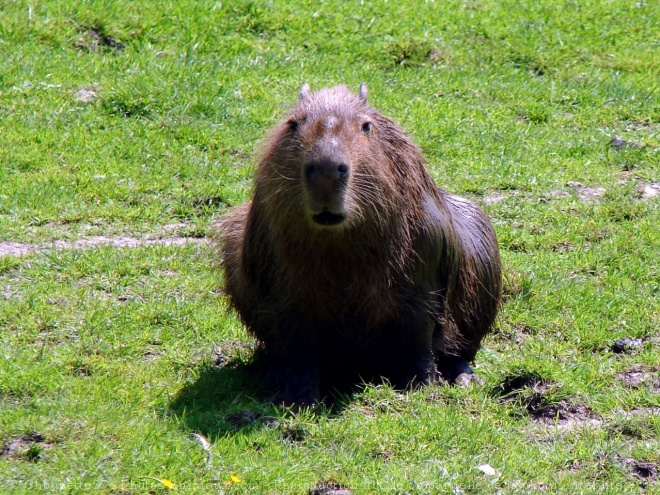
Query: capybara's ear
[[303, 94], [363, 92]]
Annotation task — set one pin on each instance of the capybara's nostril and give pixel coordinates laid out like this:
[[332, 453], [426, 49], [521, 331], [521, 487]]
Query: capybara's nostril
[[326, 170], [309, 171]]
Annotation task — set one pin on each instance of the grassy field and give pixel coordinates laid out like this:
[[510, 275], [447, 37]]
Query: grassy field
[[127, 128]]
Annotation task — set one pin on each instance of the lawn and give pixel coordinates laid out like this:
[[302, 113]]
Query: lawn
[[128, 128]]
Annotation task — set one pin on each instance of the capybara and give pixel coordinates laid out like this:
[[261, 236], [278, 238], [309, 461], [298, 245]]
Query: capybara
[[349, 263]]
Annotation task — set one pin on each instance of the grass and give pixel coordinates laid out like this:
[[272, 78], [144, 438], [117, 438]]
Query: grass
[[143, 119]]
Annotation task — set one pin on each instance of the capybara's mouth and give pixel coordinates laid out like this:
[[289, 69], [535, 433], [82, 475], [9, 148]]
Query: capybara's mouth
[[328, 218]]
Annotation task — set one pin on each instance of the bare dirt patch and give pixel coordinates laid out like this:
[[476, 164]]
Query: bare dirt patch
[[29, 446], [586, 193], [641, 376], [619, 143], [513, 384], [527, 389], [648, 191], [226, 352], [87, 94], [640, 125], [558, 193], [562, 247], [499, 196], [626, 345], [496, 197], [566, 415], [11, 248], [329, 488], [533, 393], [645, 471], [95, 38], [642, 411]]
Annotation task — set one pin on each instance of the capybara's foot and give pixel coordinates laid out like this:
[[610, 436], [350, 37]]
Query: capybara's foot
[[297, 398], [455, 370], [416, 379], [466, 379], [300, 391]]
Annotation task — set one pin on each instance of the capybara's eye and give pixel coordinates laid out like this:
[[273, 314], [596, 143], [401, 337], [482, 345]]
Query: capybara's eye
[[366, 127], [293, 125]]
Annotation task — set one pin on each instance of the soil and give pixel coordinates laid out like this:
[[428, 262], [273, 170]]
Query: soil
[[531, 391], [586, 193], [640, 376], [512, 385], [86, 94], [565, 414], [11, 248], [626, 345], [329, 488], [225, 352], [498, 196], [648, 191], [95, 39], [645, 471], [29, 446], [619, 143]]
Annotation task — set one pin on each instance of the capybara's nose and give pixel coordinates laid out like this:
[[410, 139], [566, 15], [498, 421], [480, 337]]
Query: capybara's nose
[[326, 170]]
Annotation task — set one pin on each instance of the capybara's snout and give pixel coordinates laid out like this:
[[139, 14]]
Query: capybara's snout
[[326, 179], [326, 170], [327, 173]]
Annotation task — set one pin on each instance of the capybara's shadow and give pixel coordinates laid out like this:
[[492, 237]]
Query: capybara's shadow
[[205, 405], [235, 397]]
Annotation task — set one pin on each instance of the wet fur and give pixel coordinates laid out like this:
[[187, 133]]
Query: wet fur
[[409, 282]]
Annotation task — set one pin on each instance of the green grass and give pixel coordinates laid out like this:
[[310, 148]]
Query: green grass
[[107, 360]]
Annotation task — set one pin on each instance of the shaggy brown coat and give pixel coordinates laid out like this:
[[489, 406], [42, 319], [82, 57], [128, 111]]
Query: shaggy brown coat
[[402, 277]]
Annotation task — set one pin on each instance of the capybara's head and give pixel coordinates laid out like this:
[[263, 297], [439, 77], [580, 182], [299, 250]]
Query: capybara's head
[[332, 130], [328, 162]]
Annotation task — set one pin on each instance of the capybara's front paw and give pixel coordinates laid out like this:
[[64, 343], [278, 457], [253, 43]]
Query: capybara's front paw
[[300, 391], [298, 399], [417, 378], [455, 370]]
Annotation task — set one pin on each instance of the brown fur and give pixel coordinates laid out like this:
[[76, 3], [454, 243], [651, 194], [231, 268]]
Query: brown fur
[[410, 279]]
